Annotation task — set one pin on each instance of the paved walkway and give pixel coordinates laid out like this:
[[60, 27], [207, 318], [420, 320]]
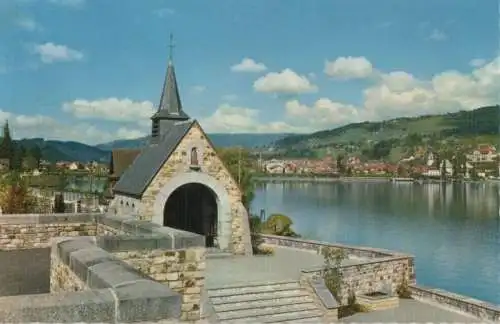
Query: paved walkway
[[285, 264], [411, 311]]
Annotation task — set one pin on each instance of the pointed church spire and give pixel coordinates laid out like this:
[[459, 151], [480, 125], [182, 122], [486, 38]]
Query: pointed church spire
[[170, 107], [170, 99]]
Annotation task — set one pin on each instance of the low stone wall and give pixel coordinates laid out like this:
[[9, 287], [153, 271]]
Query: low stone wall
[[468, 305], [25, 231], [110, 252], [376, 270], [62, 279], [110, 291], [364, 277], [358, 251], [182, 271]]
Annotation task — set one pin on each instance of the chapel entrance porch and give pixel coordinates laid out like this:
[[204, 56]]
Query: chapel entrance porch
[[192, 207]]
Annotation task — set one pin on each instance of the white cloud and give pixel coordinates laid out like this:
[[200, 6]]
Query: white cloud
[[477, 62], [197, 89], [112, 109], [248, 65], [437, 35], [28, 24], [399, 93], [69, 3], [349, 68], [286, 81], [51, 53], [233, 119], [30, 126], [322, 114]]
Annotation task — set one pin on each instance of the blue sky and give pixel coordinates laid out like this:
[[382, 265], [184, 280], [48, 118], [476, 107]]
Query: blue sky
[[92, 70]]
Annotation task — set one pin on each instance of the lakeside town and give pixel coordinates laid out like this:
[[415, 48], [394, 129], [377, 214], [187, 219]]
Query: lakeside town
[[480, 162]]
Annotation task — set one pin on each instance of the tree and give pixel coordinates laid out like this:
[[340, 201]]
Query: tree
[[15, 196], [240, 165], [35, 154], [17, 158], [7, 146]]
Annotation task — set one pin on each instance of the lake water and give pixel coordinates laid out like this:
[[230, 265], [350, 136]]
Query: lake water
[[453, 230]]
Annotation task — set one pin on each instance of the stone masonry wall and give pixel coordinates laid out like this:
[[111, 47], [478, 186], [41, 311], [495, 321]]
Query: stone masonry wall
[[62, 278], [25, 236], [210, 164], [182, 270], [377, 275], [377, 269]]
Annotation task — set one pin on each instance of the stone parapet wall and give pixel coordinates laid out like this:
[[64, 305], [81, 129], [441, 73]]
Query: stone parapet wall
[[181, 270], [24, 231], [358, 251], [109, 291], [384, 275], [161, 268], [480, 309], [62, 279], [376, 269]]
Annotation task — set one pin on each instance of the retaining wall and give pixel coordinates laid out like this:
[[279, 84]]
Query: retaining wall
[[377, 269], [464, 304], [131, 271], [384, 270]]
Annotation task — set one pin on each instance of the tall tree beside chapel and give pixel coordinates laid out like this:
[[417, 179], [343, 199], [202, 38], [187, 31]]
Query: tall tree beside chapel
[[7, 146]]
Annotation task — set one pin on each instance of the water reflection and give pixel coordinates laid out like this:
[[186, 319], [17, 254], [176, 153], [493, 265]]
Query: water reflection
[[453, 229]]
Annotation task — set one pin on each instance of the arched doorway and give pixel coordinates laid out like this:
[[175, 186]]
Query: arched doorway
[[192, 207]]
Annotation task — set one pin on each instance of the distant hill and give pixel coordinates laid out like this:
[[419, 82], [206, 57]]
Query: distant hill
[[73, 151], [396, 138], [218, 139], [66, 151], [481, 121]]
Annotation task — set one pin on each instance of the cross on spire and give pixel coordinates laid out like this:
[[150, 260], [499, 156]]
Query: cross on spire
[[171, 48]]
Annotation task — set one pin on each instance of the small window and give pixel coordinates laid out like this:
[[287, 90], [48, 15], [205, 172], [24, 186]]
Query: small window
[[194, 156], [126, 204], [133, 205], [121, 202]]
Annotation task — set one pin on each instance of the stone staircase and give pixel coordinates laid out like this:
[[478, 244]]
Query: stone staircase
[[270, 302]]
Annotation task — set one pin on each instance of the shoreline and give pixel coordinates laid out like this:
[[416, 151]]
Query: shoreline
[[322, 179]]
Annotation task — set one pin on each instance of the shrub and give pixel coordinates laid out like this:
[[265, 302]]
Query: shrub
[[332, 272], [279, 224], [265, 249], [403, 290]]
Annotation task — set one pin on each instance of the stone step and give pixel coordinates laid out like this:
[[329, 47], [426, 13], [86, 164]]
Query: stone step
[[311, 320], [246, 297], [264, 311], [250, 289], [262, 303], [296, 316]]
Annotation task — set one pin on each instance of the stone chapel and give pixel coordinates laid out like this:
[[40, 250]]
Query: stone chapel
[[178, 180]]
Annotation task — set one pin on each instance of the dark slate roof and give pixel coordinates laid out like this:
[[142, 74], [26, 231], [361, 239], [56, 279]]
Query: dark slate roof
[[170, 101], [121, 159], [137, 177]]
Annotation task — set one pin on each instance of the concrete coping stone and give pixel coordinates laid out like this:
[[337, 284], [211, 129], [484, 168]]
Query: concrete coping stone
[[317, 245], [360, 263], [135, 297], [22, 219], [323, 293], [457, 297], [151, 234]]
